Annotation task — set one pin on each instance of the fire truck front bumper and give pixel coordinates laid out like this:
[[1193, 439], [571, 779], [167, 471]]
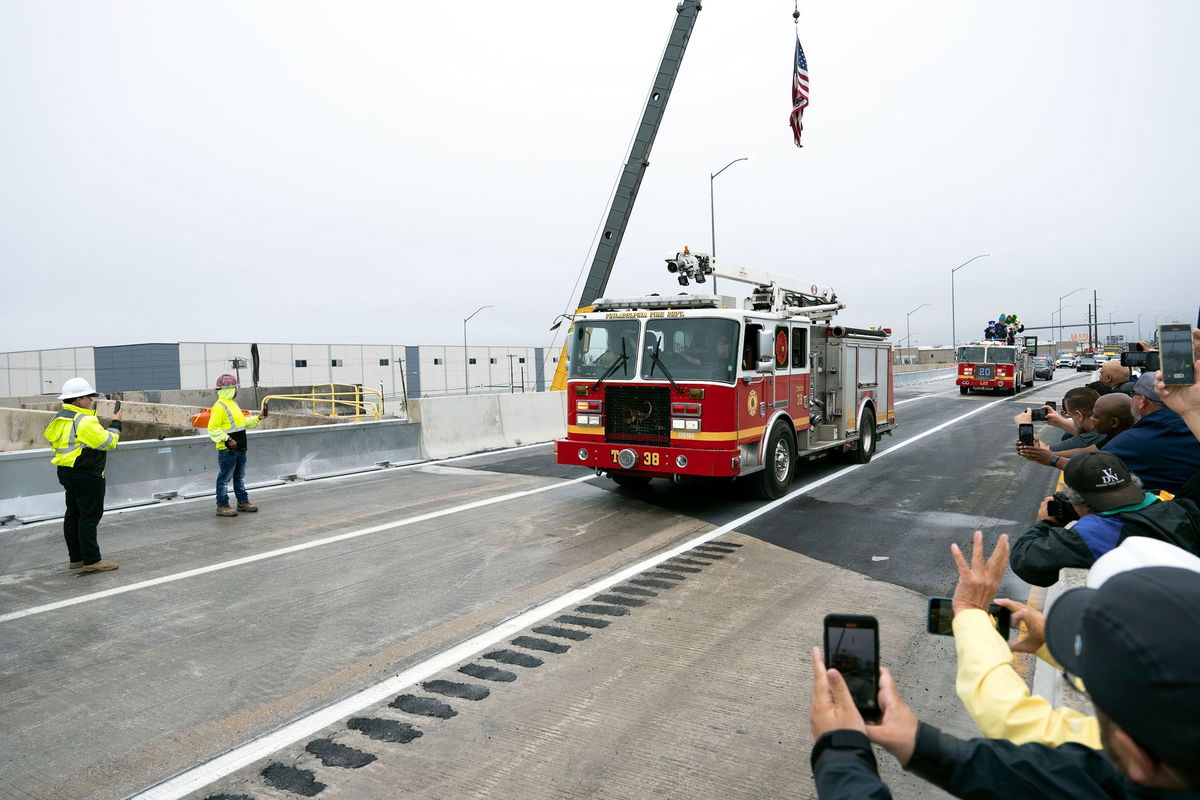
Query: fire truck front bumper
[[651, 461], [994, 383]]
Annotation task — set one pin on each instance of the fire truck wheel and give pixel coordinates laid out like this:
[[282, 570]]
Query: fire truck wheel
[[964, 390], [630, 481], [779, 465], [866, 439]]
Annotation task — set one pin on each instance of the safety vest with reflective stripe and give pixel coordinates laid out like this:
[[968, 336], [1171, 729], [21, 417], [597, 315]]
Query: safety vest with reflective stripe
[[227, 417], [75, 430]]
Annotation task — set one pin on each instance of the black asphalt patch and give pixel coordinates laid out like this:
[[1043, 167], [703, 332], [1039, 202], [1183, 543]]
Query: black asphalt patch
[[672, 565], [507, 656], [224, 796], [546, 646], [607, 611], [671, 576], [619, 600], [586, 622], [425, 706], [463, 691], [692, 561], [657, 584], [562, 633], [385, 730], [487, 673], [333, 754], [292, 779], [634, 590]]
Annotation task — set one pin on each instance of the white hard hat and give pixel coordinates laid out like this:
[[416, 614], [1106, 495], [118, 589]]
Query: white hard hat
[[76, 387], [1137, 552]]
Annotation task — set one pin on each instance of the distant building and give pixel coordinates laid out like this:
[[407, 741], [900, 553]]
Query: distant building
[[395, 370]]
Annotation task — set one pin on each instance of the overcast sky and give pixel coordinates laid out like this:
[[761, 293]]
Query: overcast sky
[[374, 172]]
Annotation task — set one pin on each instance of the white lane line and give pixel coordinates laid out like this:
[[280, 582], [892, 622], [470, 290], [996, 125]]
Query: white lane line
[[202, 775], [296, 548]]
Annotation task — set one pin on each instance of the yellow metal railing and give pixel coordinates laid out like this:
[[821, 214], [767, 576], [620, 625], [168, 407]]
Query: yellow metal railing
[[325, 399]]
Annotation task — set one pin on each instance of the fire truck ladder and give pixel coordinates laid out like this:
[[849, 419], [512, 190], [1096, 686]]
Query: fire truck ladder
[[771, 292]]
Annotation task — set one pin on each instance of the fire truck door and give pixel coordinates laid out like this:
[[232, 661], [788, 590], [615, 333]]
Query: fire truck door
[[756, 390], [798, 397]]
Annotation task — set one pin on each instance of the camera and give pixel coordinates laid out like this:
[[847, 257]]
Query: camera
[[1149, 362], [1061, 510], [1038, 414]]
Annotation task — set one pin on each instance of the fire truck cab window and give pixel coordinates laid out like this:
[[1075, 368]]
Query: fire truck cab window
[[597, 346], [692, 349], [750, 346], [799, 348]]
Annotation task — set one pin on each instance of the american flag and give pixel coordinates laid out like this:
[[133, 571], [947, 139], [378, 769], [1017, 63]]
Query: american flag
[[799, 93]]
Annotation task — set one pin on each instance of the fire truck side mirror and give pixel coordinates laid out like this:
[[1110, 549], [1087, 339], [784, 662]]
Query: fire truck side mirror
[[766, 352]]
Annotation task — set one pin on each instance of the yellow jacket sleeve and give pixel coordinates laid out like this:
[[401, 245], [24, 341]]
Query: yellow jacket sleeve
[[95, 435], [998, 699], [218, 423]]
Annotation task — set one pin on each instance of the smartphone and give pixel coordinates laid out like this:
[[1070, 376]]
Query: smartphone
[[116, 406], [852, 648], [1149, 362], [940, 620], [1038, 415], [1025, 434], [1175, 353]]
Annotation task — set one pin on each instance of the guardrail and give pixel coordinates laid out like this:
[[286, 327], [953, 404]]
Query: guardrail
[[921, 376], [152, 471], [348, 395]]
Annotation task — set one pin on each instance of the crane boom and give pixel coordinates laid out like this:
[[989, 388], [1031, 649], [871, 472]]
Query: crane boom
[[639, 154]]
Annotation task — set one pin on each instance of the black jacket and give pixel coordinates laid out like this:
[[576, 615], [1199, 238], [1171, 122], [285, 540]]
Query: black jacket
[[844, 767], [1040, 552]]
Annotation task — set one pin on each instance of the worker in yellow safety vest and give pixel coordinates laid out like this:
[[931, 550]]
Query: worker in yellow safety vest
[[227, 426], [81, 444]]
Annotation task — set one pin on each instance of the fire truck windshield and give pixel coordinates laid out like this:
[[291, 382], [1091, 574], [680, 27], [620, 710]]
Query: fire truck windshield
[[987, 355], [692, 349], [597, 346]]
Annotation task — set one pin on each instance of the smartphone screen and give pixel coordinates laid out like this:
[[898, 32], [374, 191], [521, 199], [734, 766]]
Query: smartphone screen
[[852, 648], [116, 406], [940, 620], [1053, 404], [1025, 434], [1175, 354]]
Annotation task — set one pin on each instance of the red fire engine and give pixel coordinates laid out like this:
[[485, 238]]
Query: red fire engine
[[666, 386], [994, 365]]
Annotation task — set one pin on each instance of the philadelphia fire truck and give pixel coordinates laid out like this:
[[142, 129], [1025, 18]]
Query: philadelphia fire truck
[[995, 365], [669, 386]]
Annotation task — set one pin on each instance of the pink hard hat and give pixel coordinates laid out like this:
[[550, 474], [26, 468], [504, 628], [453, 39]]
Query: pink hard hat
[[226, 381]]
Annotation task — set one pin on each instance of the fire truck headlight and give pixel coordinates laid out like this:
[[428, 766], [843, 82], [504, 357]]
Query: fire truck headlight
[[681, 461], [583, 454]]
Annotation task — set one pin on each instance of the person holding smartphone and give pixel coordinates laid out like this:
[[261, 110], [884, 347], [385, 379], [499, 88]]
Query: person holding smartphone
[[1131, 635], [81, 444]]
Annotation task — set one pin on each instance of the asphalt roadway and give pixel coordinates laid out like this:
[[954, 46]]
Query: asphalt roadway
[[496, 626]]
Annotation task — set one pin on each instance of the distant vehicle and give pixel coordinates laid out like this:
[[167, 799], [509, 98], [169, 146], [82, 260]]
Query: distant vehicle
[[1065, 361], [1043, 368], [1087, 364]]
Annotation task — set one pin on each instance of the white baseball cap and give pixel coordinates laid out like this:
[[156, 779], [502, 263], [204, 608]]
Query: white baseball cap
[[1137, 552]]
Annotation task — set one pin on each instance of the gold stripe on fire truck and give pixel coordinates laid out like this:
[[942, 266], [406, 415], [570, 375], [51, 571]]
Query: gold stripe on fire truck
[[590, 430]]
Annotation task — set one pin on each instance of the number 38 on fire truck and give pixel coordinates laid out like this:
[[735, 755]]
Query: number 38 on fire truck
[[667, 386]]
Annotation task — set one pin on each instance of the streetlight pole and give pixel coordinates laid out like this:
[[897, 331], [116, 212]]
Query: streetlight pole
[[467, 358], [953, 325], [712, 211], [1060, 309], [907, 327], [1139, 325]]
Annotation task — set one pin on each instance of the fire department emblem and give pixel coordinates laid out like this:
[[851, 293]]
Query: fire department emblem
[[752, 402]]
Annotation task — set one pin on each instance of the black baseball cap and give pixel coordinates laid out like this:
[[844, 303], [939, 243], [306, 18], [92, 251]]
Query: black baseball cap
[[1134, 641], [1103, 480]]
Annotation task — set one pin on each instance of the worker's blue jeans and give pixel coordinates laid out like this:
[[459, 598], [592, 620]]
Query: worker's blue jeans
[[231, 463]]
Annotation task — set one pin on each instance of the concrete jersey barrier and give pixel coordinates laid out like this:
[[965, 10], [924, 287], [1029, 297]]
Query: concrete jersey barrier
[[452, 426]]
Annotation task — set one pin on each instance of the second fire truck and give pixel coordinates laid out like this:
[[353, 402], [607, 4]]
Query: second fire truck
[[666, 386]]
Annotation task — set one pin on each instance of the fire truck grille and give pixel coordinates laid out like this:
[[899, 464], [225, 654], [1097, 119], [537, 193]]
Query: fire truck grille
[[637, 415]]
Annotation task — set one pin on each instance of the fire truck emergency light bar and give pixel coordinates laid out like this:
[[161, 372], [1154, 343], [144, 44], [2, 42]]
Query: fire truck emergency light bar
[[657, 301]]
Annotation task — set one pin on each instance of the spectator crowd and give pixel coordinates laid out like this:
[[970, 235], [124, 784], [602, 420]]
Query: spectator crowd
[[1128, 452]]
